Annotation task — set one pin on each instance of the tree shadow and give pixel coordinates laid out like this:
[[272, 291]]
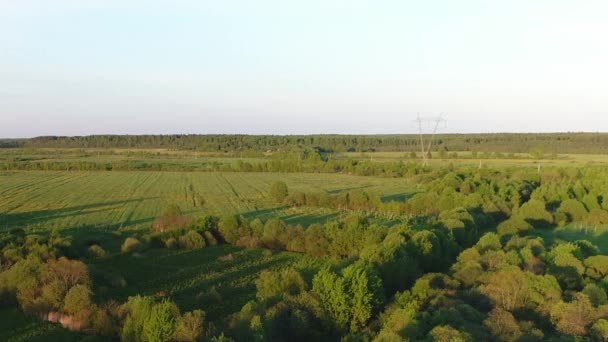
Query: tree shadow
[[308, 219], [399, 197], [262, 212], [337, 191], [40, 216], [184, 275], [571, 234]]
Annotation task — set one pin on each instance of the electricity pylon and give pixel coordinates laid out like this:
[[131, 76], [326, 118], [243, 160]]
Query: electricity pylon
[[427, 144]]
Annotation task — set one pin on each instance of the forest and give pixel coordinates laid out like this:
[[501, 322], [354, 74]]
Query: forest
[[494, 142], [314, 248]]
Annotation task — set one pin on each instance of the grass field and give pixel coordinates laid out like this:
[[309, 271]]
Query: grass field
[[110, 201], [465, 158], [206, 160]]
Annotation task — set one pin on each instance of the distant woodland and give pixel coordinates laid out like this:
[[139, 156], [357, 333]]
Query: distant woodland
[[499, 142]]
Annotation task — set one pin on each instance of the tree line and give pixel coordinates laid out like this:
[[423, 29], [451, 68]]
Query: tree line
[[495, 142]]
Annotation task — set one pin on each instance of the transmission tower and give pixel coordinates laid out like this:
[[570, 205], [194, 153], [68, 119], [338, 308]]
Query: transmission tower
[[426, 144]]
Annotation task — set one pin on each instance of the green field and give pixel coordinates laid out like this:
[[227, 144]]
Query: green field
[[110, 201], [466, 158]]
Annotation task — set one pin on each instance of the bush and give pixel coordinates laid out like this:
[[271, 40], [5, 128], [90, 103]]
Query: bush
[[171, 243], [229, 228], [189, 327], [95, 251], [131, 245], [191, 240], [171, 217]]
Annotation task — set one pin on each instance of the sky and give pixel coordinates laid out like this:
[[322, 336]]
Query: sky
[[79, 67]]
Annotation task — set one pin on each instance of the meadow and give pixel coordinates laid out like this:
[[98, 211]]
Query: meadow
[[110, 201]]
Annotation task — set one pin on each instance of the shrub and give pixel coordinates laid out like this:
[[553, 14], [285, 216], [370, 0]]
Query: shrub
[[191, 240], [171, 217], [278, 283], [131, 245], [171, 243], [96, 251], [279, 191], [189, 327], [229, 228]]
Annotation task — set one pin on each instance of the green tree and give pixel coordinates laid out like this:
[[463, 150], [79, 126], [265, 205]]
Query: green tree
[[229, 228], [509, 288], [77, 299], [514, 226], [365, 294], [574, 318], [502, 325], [599, 330], [272, 284], [350, 299], [191, 240], [160, 325], [597, 266], [445, 333], [596, 294], [574, 210], [331, 291], [138, 311], [535, 212]]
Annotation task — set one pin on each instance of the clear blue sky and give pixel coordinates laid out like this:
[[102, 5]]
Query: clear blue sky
[[296, 67]]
